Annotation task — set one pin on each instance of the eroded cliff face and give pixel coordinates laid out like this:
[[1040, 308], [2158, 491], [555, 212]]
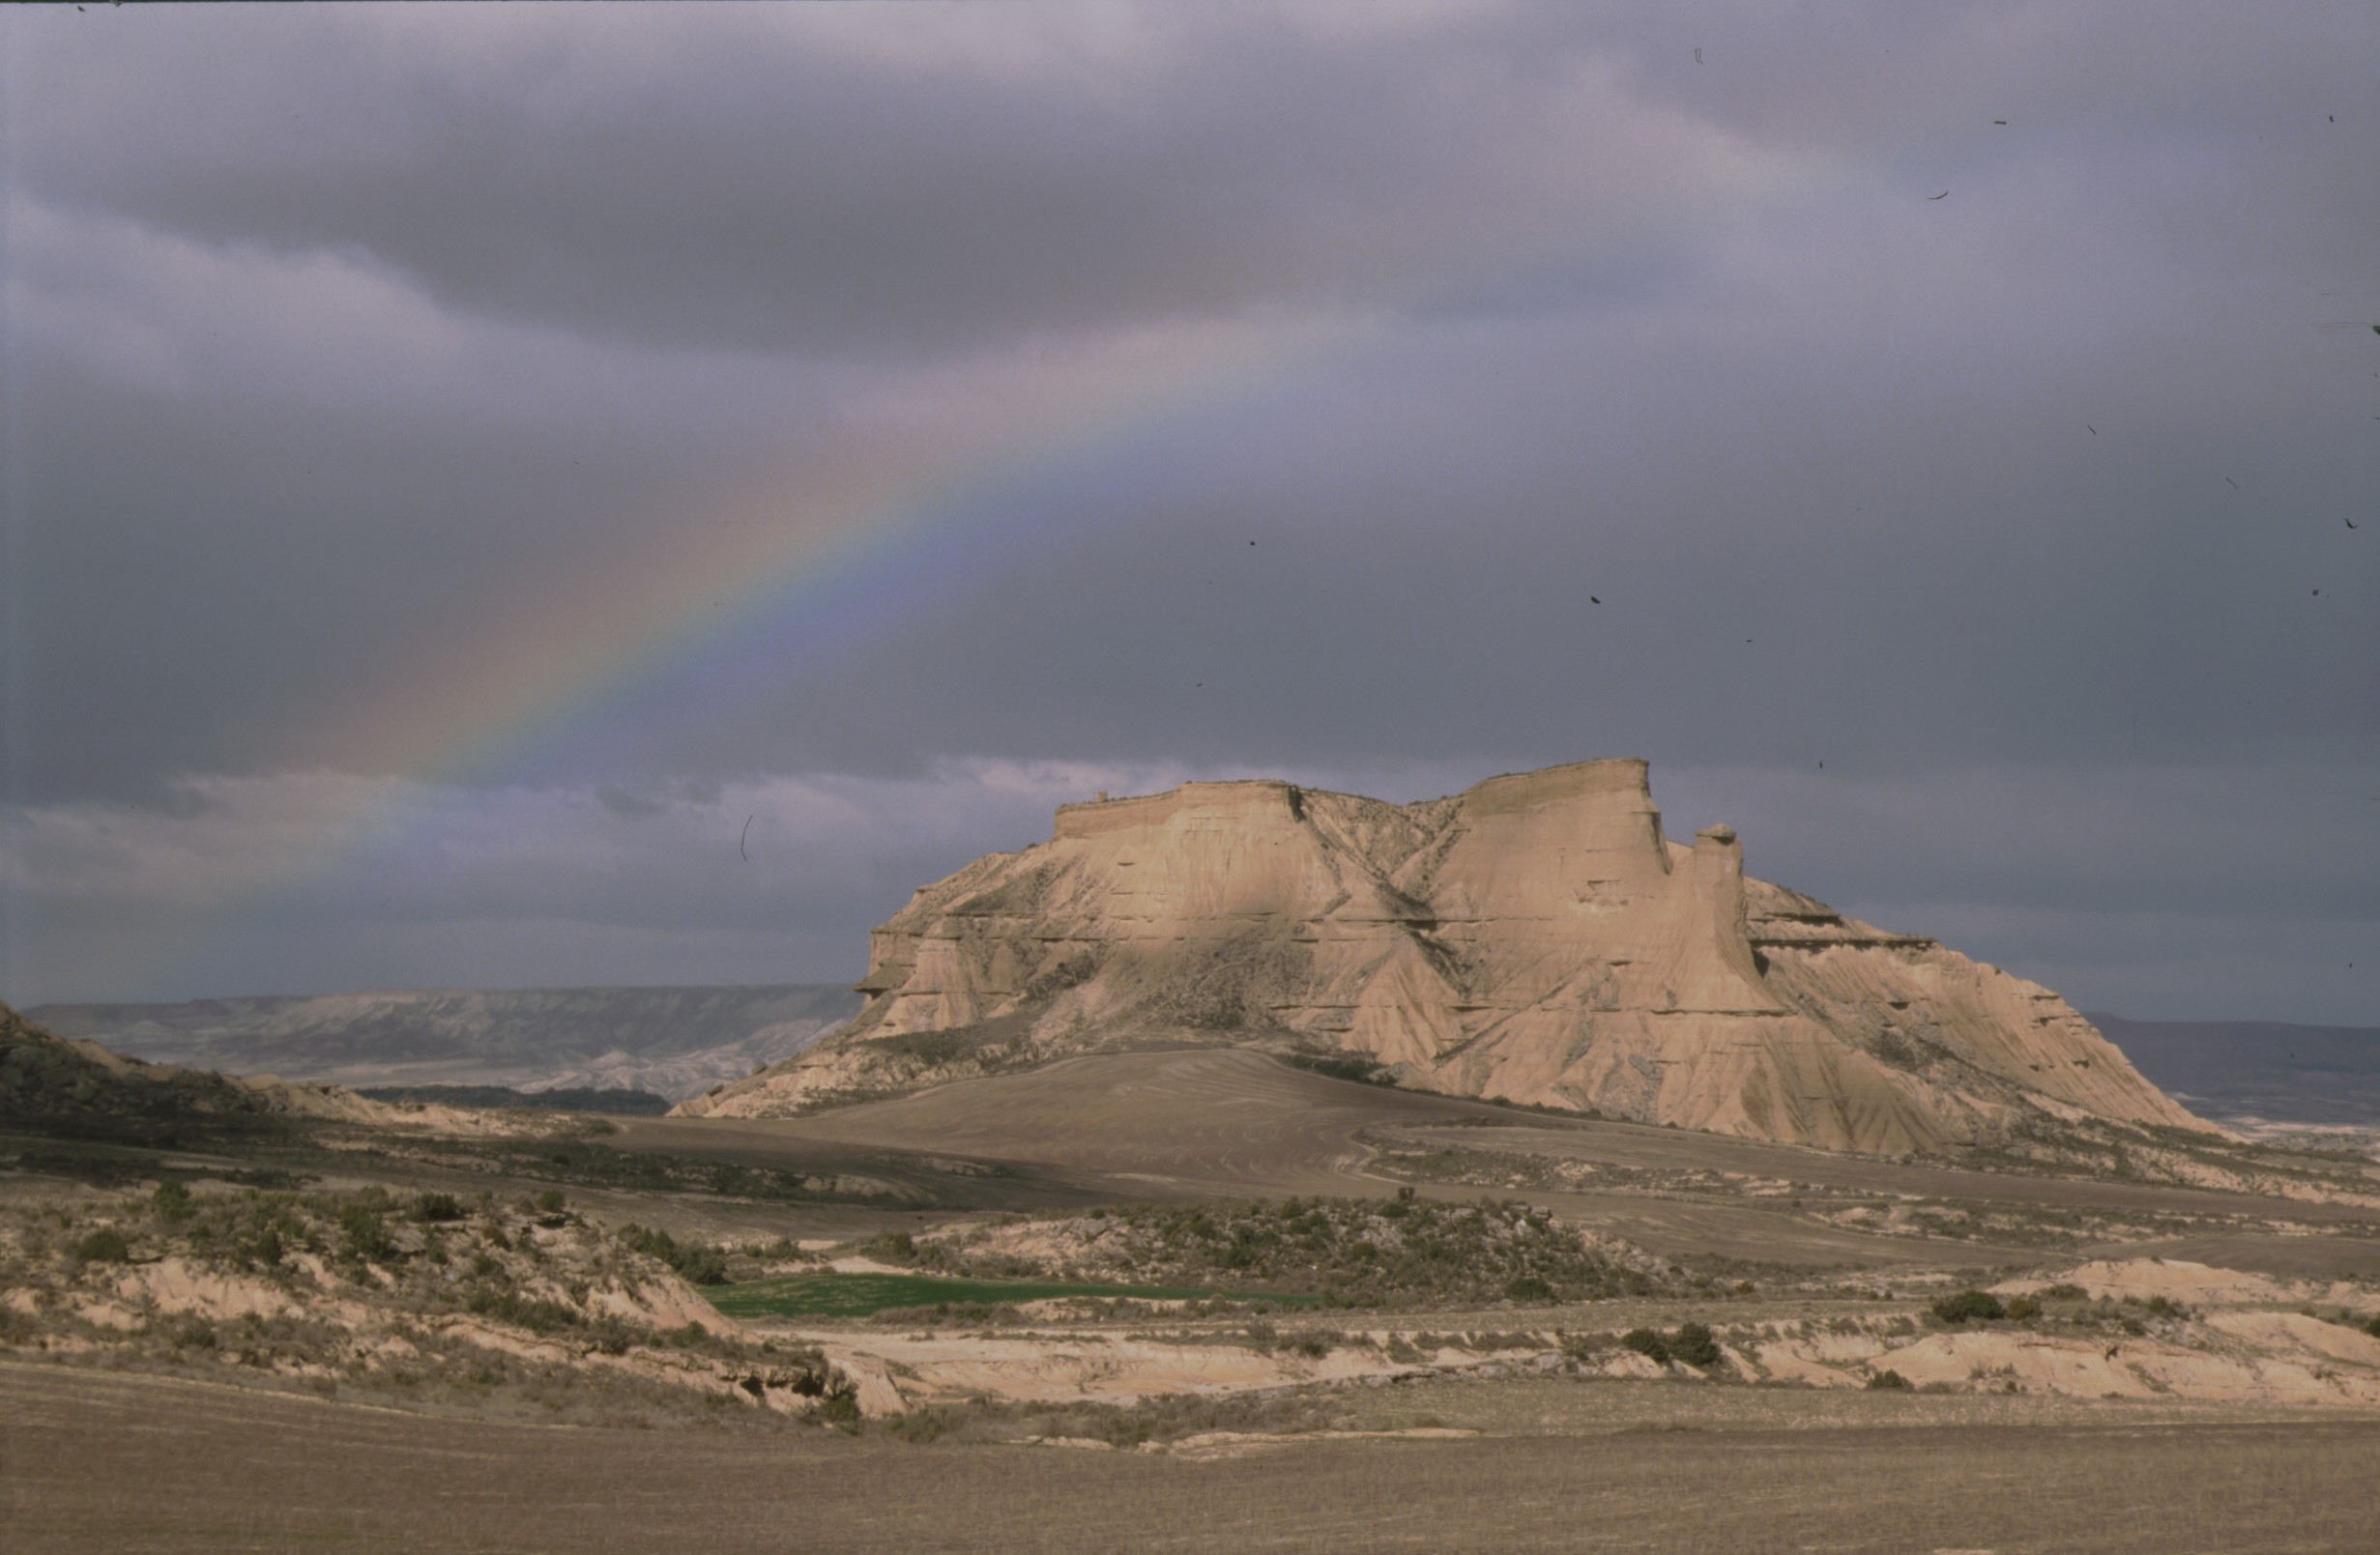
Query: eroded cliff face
[[1535, 939]]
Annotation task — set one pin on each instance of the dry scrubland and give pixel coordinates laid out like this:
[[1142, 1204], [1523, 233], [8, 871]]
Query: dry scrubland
[[1419, 1321]]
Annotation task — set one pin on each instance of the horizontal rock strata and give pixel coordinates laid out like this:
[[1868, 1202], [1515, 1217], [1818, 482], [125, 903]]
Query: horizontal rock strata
[[1536, 938]]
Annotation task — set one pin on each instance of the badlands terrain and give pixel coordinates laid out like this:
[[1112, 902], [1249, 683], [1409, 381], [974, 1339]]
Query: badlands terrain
[[1241, 1168], [1193, 1298]]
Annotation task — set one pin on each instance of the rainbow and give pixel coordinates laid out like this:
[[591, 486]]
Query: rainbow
[[773, 579], [804, 563]]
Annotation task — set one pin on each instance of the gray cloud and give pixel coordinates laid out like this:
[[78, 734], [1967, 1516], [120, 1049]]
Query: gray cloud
[[751, 181], [340, 343]]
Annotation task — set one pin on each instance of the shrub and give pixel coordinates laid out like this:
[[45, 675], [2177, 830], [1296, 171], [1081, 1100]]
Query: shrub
[[191, 1333], [611, 1336], [1969, 1306], [172, 1202], [2373, 1327], [1577, 1348], [698, 1263], [263, 1249], [703, 1266], [1887, 1379], [367, 1234], [1647, 1344], [2021, 1309], [103, 1245], [892, 1246], [2065, 1292], [839, 1401], [549, 1203], [1694, 1345], [1528, 1287], [434, 1208]]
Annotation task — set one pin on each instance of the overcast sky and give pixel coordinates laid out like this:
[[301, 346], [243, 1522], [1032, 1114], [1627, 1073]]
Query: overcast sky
[[508, 495]]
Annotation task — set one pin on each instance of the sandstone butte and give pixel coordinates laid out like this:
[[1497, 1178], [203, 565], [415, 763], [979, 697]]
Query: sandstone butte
[[1534, 939]]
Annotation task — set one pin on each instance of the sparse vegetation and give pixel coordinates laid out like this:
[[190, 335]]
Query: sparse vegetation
[[366, 1232], [697, 1262], [1694, 1345], [904, 1298], [519, 1313], [1647, 1344], [1969, 1307], [1408, 1252], [510, 1297], [1344, 1066], [105, 1245]]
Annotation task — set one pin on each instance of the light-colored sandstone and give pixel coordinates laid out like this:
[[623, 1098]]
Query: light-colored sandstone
[[1537, 938]]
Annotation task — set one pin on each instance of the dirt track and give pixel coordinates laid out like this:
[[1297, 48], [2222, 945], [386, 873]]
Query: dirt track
[[99, 1463]]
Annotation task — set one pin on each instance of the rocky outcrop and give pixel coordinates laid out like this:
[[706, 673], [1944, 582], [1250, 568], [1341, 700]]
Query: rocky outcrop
[[1536, 938]]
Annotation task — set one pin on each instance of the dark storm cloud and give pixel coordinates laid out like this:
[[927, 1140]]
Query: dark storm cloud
[[749, 179], [339, 340]]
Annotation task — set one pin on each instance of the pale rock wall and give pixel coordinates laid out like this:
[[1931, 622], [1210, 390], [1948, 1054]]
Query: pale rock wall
[[1536, 938]]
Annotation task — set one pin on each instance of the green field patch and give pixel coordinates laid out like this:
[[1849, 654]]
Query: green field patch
[[858, 1295]]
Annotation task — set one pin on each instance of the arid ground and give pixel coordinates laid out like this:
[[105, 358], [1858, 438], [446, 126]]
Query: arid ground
[[1290, 1312], [118, 1463]]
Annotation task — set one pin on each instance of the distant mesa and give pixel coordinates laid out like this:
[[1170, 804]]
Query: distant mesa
[[1534, 939]]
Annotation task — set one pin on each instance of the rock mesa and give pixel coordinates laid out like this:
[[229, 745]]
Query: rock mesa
[[1536, 938]]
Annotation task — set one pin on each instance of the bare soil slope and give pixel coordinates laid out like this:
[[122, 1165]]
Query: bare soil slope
[[1216, 1120], [1195, 1123]]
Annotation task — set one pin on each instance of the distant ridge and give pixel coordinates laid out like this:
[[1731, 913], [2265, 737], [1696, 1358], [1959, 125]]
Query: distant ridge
[[617, 1103], [673, 1042], [78, 1089], [1536, 938]]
